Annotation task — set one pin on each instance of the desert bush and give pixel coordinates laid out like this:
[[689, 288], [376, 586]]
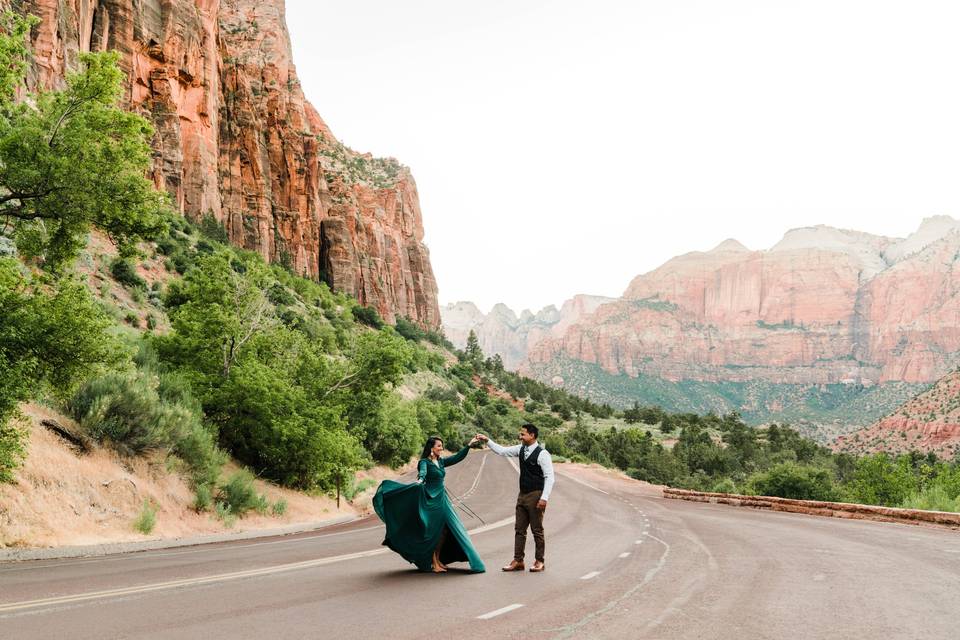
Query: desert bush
[[355, 488], [238, 493], [880, 479], [789, 480], [147, 519], [136, 412], [934, 498], [203, 498], [12, 450], [726, 485], [124, 272], [368, 316]]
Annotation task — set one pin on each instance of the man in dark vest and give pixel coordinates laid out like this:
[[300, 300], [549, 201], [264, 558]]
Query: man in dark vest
[[536, 482]]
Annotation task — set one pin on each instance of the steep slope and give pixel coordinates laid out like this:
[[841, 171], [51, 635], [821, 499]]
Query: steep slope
[[928, 422], [237, 140]]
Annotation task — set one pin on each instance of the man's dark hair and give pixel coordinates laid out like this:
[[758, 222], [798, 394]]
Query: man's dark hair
[[531, 429]]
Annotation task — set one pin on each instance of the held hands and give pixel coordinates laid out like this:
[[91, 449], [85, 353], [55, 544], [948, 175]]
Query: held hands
[[478, 439]]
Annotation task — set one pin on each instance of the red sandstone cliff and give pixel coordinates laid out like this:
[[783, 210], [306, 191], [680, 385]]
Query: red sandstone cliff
[[822, 306], [237, 140], [928, 422]]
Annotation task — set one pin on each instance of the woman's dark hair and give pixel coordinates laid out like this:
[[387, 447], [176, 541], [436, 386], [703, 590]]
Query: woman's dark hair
[[531, 429], [432, 440]]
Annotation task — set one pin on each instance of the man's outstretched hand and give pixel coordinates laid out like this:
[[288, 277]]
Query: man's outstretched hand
[[542, 505], [481, 437]]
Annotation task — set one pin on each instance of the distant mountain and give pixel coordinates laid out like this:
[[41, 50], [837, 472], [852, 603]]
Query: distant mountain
[[928, 422], [831, 313], [502, 331]]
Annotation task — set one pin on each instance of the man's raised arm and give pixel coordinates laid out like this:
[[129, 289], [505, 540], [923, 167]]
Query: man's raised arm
[[510, 452]]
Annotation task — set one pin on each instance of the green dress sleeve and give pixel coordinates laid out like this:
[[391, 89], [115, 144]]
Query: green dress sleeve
[[422, 469], [455, 458]]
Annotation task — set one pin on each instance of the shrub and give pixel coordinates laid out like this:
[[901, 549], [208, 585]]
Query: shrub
[[12, 450], [238, 494], [121, 410], [203, 498], [147, 519], [212, 229], [368, 316], [279, 507], [136, 412], [132, 319], [125, 273], [280, 295], [408, 329], [935, 498], [354, 488], [151, 322], [166, 246], [789, 480], [223, 513], [880, 479], [726, 485]]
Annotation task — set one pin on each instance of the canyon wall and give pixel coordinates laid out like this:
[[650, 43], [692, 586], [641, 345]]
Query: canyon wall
[[503, 332], [824, 306], [236, 140]]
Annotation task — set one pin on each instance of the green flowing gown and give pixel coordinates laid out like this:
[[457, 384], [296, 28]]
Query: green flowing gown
[[416, 514]]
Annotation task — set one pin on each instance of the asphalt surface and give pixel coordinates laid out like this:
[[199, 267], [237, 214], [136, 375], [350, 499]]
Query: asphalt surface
[[621, 563]]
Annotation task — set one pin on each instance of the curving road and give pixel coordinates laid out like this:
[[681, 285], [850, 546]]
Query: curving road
[[621, 563]]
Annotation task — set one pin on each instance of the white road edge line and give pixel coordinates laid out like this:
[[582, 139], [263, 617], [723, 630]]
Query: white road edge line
[[591, 575], [500, 611], [222, 577], [624, 554]]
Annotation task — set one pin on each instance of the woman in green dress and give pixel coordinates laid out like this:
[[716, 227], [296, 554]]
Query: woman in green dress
[[422, 525]]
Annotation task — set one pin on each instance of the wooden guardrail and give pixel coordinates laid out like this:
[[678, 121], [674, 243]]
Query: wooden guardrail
[[821, 508]]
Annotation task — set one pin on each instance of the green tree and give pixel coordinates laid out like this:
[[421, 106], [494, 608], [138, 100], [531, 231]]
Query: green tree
[[789, 480], [51, 334], [473, 352], [880, 479], [72, 159]]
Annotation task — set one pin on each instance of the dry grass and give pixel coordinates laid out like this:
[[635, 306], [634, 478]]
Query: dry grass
[[61, 498]]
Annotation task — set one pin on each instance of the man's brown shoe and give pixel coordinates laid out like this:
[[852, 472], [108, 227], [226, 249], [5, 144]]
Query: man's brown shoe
[[515, 565], [537, 567]]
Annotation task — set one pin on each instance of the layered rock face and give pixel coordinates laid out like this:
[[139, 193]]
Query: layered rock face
[[823, 306], [236, 140], [928, 422], [503, 332]]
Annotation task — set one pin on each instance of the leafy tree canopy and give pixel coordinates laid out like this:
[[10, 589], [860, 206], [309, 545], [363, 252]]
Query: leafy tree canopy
[[72, 159]]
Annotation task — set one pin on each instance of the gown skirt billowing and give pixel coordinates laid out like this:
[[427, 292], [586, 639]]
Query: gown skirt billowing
[[416, 514]]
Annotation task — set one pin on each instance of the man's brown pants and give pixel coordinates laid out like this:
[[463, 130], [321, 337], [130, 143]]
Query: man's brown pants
[[528, 515]]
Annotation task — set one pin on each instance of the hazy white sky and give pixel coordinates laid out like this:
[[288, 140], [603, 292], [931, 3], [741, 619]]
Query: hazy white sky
[[564, 147]]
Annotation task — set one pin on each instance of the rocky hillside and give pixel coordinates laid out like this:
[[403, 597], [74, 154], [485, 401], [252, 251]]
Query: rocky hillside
[[503, 332], [237, 140], [928, 422], [823, 307]]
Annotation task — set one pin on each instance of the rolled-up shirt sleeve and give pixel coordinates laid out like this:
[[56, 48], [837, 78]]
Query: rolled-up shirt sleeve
[[546, 465]]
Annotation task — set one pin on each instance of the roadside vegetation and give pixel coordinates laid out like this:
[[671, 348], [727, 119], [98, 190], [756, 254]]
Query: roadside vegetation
[[211, 353]]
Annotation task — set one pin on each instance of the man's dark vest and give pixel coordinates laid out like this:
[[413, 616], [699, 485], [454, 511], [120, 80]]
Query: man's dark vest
[[531, 475]]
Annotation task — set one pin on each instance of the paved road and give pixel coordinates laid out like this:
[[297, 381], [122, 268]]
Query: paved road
[[621, 563]]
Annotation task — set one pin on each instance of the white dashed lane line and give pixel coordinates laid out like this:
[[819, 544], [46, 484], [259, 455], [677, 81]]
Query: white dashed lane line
[[592, 574], [624, 554], [500, 611]]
